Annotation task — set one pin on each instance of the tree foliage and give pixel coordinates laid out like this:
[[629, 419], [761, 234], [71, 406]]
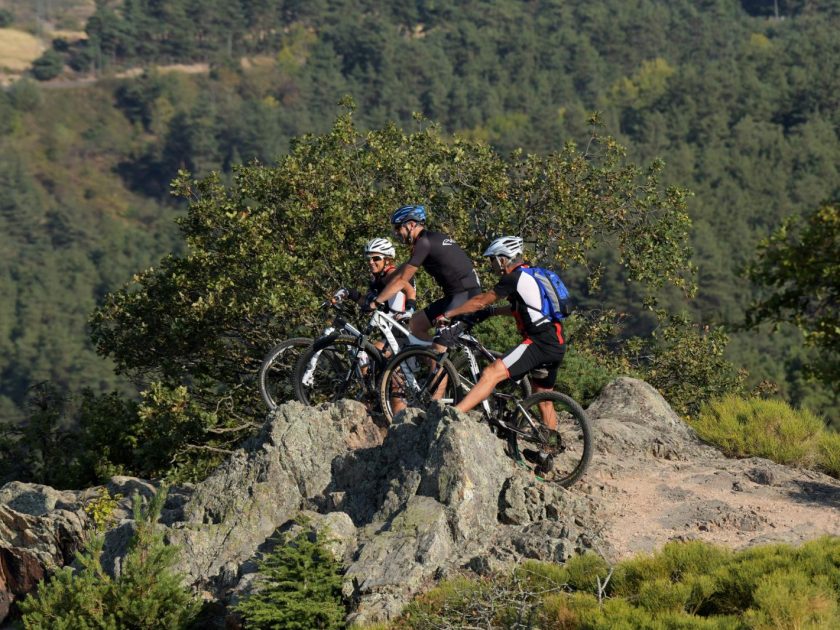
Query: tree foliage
[[298, 588], [47, 66], [263, 251], [72, 441], [799, 265], [146, 594]]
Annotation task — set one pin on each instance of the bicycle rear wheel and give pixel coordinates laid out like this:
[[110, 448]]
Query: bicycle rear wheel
[[560, 456], [278, 369], [336, 368], [414, 378]]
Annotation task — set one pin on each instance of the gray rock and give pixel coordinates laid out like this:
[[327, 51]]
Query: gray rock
[[33, 546], [264, 484], [35, 499], [439, 495]]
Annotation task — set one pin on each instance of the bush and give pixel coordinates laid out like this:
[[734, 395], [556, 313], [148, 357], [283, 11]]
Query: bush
[[47, 66], [6, 18], [685, 363], [299, 587], [746, 427], [145, 595], [686, 585], [25, 95]]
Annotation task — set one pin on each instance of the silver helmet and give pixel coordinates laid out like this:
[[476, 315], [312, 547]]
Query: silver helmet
[[508, 246], [380, 246]]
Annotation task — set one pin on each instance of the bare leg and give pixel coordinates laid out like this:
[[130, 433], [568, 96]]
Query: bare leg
[[547, 411], [419, 326], [492, 375], [397, 403]]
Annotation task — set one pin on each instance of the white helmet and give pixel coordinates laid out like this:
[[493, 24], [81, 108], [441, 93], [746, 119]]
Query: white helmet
[[508, 246], [380, 246]]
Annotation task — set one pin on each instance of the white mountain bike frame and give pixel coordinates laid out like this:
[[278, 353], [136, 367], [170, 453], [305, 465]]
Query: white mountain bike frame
[[390, 327]]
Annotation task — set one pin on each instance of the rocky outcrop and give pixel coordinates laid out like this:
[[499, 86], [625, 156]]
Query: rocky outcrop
[[438, 495], [40, 531]]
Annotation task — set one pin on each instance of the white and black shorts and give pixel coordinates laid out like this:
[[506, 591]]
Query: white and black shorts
[[544, 351]]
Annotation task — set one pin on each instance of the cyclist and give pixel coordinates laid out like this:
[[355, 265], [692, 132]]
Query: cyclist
[[542, 346], [441, 257], [380, 254]]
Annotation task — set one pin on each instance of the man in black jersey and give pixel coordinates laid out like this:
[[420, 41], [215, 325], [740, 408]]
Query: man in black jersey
[[441, 257], [542, 346]]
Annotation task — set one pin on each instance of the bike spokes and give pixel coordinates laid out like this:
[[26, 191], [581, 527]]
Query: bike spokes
[[559, 454]]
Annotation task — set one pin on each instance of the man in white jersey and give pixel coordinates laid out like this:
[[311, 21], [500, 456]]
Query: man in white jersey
[[542, 346]]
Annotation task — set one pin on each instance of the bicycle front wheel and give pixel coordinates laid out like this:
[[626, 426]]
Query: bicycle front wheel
[[334, 369], [561, 455], [414, 378], [278, 369]]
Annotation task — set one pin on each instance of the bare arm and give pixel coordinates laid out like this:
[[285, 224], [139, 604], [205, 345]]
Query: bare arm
[[401, 277], [474, 304], [404, 285]]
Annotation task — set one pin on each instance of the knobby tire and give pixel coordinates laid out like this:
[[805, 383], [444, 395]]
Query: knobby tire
[[278, 369], [572, 451], [426, 369], [335, 375]]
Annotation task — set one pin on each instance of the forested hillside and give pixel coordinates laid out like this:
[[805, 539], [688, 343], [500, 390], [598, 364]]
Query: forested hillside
[[740, 99]]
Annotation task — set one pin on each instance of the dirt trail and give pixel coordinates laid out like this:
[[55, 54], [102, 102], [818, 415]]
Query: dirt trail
[[715, 503], [655, 481]]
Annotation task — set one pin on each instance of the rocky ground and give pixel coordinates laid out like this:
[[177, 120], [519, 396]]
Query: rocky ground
[[438, 495]]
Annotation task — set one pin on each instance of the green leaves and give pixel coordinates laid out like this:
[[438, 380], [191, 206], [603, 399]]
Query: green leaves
[[800, 268]]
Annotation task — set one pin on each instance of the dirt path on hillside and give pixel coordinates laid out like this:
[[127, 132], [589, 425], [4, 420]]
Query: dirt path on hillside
[[655, 481], [734, 503]]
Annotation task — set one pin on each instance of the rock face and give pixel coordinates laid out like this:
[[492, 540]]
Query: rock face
[[439, 494], [40, 531]]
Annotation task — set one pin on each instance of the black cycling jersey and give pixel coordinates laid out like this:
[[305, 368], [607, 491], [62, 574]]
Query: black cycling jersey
[[445, 261]]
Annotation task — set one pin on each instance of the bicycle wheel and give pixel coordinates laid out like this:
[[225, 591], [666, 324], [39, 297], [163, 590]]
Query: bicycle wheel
[[559, 456], [277, 371], [414, 378], [334, 368]]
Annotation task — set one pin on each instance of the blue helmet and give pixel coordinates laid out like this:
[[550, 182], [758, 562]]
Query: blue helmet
[[408, 213]]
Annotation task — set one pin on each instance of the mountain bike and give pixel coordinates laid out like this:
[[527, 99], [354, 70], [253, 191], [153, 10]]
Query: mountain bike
[[346, 364], [416, 374], [276, 377]]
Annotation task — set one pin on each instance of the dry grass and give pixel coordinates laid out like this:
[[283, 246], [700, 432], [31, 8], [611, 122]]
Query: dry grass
[[18, 49]]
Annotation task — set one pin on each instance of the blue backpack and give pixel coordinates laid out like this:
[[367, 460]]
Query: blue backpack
[[555, 296]]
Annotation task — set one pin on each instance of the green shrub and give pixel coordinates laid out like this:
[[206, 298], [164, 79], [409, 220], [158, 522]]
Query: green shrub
[[792, 599], [25, 95], [47, 66], [686, 363], [147, 594], [744, 427], [684, 586], [299, 587], [828, 449]]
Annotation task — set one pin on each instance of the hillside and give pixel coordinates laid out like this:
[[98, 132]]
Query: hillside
[[437, 496], [740, 104]]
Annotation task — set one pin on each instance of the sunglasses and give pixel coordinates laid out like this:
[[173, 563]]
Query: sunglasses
[[374, 258]]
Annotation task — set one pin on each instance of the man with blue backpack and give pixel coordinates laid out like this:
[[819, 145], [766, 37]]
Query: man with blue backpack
[[538, 301]]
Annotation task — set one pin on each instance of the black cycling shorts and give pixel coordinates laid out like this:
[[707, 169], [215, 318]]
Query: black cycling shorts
[[543, 351], [448, 302]]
